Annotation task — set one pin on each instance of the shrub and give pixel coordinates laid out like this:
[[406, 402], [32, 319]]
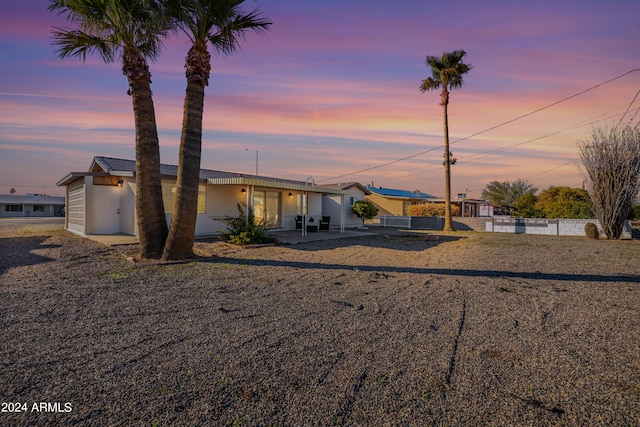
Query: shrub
[[364, 209], [431, 209], [243, 230], [591, 230], [418, 210]]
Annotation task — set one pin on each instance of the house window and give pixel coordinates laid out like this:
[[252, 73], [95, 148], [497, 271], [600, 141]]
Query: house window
[[352, 200], [38, 208], [169, 190], [13, 208]]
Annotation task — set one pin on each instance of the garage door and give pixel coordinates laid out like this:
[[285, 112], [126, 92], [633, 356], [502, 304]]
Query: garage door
[[75, 209]]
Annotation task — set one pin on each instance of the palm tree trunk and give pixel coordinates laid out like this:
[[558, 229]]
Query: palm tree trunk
[[448, 223], [179, 243], [152, 224]]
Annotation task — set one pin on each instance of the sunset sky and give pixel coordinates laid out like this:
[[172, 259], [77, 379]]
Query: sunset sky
[[331, 92]]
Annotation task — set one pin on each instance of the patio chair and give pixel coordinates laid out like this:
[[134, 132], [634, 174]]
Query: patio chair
[[324, 223]]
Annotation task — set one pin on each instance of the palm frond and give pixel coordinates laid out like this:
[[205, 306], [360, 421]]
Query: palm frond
[[77, 44]]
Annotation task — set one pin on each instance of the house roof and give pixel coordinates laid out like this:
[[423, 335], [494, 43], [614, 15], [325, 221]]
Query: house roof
[[127, 167], [400, 194], [31, 200], [350, 185]]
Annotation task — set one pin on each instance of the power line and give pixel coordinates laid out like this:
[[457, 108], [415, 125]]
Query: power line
[[488, 129]]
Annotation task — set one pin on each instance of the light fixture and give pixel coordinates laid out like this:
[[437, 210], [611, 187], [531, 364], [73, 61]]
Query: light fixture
[[291, 195], [244, 191], [120, 182]]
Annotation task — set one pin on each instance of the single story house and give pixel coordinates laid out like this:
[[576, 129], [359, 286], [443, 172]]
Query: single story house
[[31, 206], [390, 201], [102, 200], [469, 207]]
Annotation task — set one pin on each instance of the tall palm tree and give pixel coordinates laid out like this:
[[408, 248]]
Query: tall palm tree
[[129, 31], [223, 24], [447, 72]]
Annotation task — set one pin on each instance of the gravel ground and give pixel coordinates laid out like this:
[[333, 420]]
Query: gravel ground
[[471, 329]]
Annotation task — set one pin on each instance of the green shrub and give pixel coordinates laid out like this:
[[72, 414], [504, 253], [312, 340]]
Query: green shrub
[[364, 209], [591, 230], [243, 230]]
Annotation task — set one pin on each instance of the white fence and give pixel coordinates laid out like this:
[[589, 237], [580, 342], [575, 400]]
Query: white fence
[[391, 221]]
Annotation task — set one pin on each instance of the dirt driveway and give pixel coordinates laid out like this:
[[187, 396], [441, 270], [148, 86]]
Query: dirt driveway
[[471, 329]]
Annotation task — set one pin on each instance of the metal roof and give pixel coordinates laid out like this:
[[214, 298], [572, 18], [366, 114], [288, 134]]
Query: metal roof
[[276, 183], [402, 194]]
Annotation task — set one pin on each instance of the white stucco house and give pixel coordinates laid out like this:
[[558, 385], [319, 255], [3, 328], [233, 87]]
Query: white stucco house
[[102, 200]]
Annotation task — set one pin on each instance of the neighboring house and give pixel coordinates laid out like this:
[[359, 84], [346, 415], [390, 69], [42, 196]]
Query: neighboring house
[[332, 203], [31, 206], [468, 207], [390, 201], [102, 200]]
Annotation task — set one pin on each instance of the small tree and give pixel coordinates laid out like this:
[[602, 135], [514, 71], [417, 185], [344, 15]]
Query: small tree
[[506, 193], [564, 202], [611, 167], [12, 191], [364, 209]]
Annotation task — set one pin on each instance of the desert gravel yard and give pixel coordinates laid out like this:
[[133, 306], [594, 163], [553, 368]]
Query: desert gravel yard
[[471, 329]]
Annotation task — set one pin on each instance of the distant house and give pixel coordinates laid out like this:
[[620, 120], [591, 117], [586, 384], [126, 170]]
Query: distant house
[[102, 200], [396, 202], [31, 206], [390, 201], [469, 207]]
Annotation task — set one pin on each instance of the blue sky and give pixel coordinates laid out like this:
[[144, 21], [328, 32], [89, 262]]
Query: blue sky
[[332, 89]]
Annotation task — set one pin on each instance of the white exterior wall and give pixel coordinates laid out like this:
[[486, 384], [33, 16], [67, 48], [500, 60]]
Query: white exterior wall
[[289, 209], [128, 222], [331, 205]]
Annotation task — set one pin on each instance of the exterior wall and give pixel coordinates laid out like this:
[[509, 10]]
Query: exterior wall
[[315, 206], [289, 210], [332, 206], [128, 222], [387, 206]]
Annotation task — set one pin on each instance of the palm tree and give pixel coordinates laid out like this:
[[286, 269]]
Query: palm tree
[[130, 31], [223, 24], [447, 72]]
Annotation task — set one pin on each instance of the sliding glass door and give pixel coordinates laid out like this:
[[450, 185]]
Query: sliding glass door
[[266, 207]]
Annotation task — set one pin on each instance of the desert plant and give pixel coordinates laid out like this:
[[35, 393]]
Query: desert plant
[[611, 166], [591, 230], [243, 229]]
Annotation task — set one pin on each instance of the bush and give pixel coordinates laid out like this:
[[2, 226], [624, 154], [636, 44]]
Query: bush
[[364, 209], [243, 230], [431, 209], [418, 210], [591, 230]]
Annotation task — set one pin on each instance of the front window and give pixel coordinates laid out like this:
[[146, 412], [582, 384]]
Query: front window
[[13, 208], [38, 208]]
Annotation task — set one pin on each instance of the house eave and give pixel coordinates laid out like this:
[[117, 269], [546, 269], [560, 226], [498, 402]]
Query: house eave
[[268, 183], [75, 176]]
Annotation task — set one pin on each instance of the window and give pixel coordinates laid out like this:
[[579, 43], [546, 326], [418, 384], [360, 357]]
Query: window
[[38, 208], [13, 208], [169, 190]]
